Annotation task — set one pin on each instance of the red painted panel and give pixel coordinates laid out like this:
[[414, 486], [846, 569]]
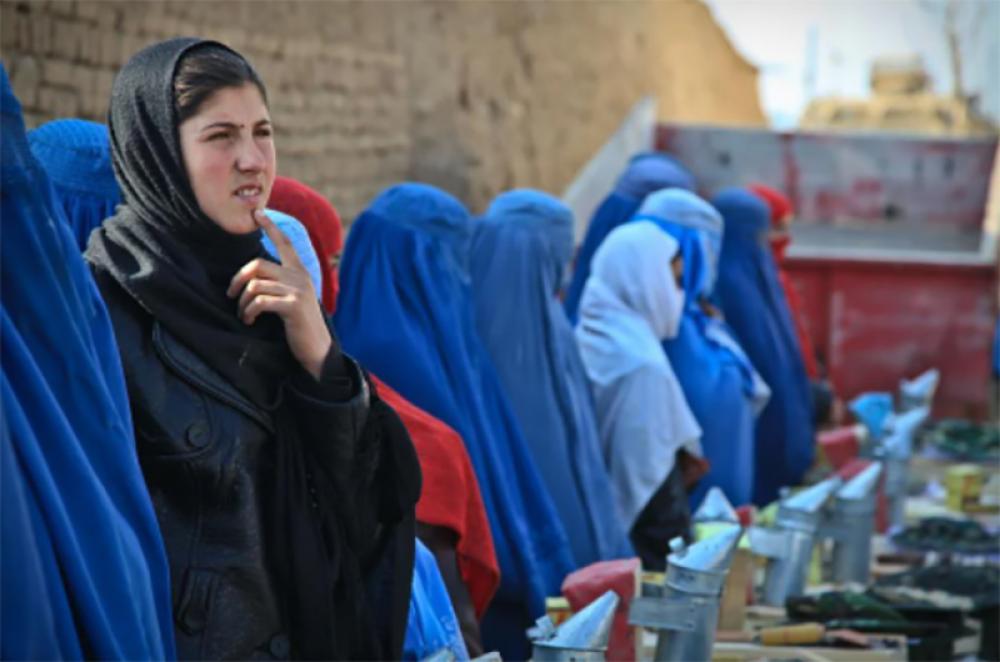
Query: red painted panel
[[842, 178], [874, 322], [880, 321]]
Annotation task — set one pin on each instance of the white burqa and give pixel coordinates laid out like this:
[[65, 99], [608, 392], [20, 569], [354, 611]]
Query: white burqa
[[630, 304]]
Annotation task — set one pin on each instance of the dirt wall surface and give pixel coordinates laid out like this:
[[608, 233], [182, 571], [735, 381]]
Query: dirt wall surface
[[476, 97]]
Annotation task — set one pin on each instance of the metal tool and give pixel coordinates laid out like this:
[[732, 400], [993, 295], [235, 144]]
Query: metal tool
[[789, 544], [686, 614], [582, 638], [715, 507], [896, 450], [851, 524], [919, 391]]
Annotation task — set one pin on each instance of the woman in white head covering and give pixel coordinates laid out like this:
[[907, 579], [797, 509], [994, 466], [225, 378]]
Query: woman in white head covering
[[631, 303]]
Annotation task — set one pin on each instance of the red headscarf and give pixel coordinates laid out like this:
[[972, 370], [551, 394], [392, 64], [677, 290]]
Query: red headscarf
[[450, 498], [323, 224], [781, 209]]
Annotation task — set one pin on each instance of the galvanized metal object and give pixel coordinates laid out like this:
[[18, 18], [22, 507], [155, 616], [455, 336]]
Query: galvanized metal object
[[686, 614], [441, 655], [715, 507], [919, 391], [851, 525], [582, 638], [897, 448], [789, 545]]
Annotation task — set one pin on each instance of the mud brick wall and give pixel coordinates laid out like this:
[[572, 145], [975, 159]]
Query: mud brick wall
[[476, 97]]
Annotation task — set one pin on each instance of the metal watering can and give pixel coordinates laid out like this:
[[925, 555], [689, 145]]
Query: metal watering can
[[851, 523], [582, 638], [788, 545], [686, 613], [896, 450]]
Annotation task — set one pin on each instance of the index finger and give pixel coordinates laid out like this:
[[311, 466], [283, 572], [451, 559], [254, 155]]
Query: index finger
[[286, 252]]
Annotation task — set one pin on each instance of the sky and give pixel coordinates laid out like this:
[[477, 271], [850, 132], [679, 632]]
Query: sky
[[807, 48]]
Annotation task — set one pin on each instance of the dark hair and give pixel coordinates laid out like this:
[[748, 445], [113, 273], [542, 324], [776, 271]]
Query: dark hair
[[204, 70]]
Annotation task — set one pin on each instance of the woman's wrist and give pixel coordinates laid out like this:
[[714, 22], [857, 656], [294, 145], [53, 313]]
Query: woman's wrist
[[315, 362]]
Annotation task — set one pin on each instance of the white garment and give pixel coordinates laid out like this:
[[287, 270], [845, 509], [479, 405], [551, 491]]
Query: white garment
[[630, 304], [687, 210]]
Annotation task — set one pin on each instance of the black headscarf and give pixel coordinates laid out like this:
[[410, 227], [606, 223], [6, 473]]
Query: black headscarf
[[162, 248], [176, 263]]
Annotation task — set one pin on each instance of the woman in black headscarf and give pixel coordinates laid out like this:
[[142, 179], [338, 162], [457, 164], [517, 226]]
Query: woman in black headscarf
[[284, 488]]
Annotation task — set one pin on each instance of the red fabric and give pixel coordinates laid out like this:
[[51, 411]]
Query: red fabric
[[587, 584], [450, 497], [781, 210], [323, 224], [778, 202]]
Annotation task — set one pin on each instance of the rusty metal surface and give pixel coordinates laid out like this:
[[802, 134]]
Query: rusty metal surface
[[891, 255], [846, 179], [875, 322]]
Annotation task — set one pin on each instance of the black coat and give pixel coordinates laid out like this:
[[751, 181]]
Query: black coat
[[205, 452]]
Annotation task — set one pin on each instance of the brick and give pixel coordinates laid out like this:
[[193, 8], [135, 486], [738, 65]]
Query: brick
[[111, 45], [41, 34], [92, 104], [90, 44], [104, 80], [58, 72], [22, 28], [33, 120], [63, 8], [66, 35], [88, 10], [132, 44], [59, 102], [8, 27], [108, 14], [26, 78]]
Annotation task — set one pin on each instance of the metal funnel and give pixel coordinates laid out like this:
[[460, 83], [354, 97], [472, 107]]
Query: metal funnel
[[812, 499], [711, 556], [585, 632], [898, 443], [920, 390], [715, 507], [862, 485]]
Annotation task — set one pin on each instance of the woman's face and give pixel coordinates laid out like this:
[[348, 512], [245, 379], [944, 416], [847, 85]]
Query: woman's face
[[677, 270], [228, 150]]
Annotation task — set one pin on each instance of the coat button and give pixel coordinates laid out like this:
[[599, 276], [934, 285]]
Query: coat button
[[280, 647], [197, 434]]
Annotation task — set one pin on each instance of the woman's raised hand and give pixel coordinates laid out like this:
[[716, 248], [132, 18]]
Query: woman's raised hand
[[286, 290]]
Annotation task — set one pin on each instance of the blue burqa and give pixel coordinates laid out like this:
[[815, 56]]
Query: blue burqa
[[76, 155], [647, 172], [519, 252], [750, 295], [405, 312], [720, 384], [83, 572]]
